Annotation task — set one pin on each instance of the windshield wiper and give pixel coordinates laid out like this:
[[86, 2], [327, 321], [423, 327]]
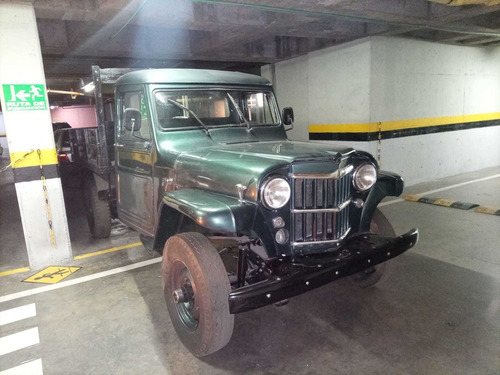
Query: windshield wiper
[[207, 132], [238, 109]]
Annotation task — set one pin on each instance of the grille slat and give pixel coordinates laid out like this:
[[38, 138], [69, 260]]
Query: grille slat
[[320, 194]]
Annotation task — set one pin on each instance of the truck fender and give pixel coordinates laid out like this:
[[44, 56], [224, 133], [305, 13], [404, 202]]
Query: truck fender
[[388, 184], [215, 212]]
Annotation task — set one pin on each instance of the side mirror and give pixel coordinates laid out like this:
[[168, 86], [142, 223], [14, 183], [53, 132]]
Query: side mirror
[[288, 117], [132, 119]]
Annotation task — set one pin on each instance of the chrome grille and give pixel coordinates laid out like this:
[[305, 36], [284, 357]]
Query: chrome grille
[[320, 206]]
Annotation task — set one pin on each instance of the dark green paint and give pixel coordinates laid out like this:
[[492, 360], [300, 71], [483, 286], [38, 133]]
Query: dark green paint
[[216, 212], [183, 77]]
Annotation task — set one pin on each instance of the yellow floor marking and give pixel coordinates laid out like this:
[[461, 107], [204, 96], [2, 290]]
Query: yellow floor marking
[[51, 275], [443, 202], [486, 210], [17, 270], [108, 250], [26, 269], [412, 198]]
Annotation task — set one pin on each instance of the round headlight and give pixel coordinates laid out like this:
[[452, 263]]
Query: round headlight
[[365, 176], [275, 193]]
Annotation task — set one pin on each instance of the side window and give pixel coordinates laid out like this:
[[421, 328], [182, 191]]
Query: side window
[[135, 100]]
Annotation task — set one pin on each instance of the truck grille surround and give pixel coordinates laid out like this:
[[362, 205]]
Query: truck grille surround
[[320, 207]]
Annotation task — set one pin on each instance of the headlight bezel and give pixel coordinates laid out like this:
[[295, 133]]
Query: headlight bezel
[[356, 176], [267, 185]]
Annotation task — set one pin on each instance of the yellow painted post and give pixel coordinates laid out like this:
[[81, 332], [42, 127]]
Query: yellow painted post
[[28, 125]]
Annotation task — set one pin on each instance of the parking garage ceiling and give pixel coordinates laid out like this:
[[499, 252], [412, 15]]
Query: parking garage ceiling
[[239, 34]]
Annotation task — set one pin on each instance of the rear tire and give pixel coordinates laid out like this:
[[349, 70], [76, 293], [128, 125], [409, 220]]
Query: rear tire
[[98, 213], [203, 322], [372, 275]]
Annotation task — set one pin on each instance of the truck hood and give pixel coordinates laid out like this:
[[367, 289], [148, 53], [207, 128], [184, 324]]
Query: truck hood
[[220, 168]]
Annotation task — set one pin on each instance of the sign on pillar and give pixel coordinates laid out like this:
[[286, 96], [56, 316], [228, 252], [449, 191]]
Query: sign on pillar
[[31, 140], [24, 97]]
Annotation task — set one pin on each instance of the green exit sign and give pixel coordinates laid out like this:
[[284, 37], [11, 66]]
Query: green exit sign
[[29, 97]]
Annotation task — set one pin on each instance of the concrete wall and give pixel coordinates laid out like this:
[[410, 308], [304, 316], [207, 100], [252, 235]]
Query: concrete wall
[[392, 79], [77, 116], [324, 90], [411, 80]]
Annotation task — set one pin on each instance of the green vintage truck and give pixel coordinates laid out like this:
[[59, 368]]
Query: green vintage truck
[[202, 168]]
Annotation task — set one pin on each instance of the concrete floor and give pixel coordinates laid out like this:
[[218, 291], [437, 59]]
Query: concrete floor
[[437, 311]]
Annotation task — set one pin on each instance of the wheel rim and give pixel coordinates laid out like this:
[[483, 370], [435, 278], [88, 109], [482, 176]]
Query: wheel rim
[[188, 312]]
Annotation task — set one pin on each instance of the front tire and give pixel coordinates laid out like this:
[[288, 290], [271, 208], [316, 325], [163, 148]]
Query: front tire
[[196, 289], [372, 275]]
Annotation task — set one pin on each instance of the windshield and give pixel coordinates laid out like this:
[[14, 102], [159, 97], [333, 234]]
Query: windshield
[[215, 108]]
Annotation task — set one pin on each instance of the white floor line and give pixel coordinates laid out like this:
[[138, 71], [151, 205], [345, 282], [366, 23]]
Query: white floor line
[[19, 340], [64, 284], [28, 368], [390, 202], [17, 313], [442, 189]]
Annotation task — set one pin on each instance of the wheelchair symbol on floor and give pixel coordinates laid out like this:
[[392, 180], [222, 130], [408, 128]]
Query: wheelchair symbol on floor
[[59, 272]]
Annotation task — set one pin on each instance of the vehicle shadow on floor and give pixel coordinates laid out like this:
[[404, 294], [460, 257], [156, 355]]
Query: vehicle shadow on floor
[[420, 319]]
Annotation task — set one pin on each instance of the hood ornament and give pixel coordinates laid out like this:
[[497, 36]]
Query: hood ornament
[[241, 192]]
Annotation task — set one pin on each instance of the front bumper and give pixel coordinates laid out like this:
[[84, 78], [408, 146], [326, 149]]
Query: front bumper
[[358, 253]]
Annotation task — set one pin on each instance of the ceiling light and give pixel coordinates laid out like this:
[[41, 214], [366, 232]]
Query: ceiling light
[[88, 87]]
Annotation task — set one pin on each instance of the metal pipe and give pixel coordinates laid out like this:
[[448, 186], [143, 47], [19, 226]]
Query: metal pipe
[[348, 17], [64, 92]]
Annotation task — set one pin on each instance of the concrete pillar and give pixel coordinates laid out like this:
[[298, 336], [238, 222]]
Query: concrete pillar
[[31, 142]]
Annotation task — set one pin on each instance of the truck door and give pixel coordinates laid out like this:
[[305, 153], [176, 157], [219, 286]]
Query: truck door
[[134, 161]]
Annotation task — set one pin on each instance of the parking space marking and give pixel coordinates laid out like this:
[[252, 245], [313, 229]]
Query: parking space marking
[[51, 275], [29, 368], [461, 184], [17, 270], [398, 200], [83, 256], [107, 250], [19, 340], [17, 313], [64, 284]]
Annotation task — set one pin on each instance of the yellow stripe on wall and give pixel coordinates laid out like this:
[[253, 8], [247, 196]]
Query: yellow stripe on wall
[[33, 159], [401, 124]]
